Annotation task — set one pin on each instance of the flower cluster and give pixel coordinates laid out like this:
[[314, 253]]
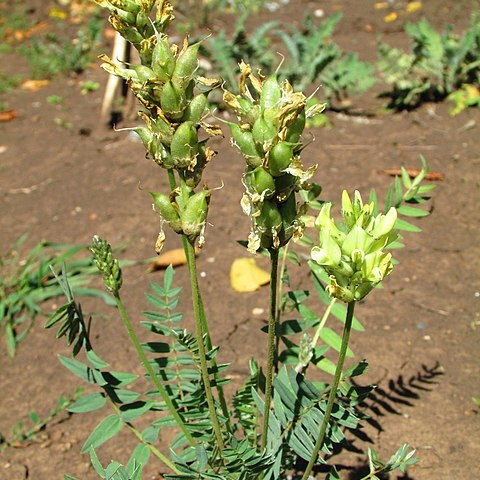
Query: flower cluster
[[271, 119], [352, 254], [174, 100], [103, 259]]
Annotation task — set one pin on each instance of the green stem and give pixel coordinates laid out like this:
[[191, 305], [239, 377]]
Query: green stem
[[208, 344], [300, 368], [333, 390], [152, 448], [192, 268], [203, 318], [279, 295], [271, 343], [151, 372]]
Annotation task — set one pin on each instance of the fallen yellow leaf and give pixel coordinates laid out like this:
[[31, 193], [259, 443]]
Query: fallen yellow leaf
[[391, 17], [175, 257], [246, 276], [34, 85], [413, 7], [57, 13]]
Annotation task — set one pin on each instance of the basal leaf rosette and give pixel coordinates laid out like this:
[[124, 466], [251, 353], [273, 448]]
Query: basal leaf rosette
[[270, 120], [353, 252]]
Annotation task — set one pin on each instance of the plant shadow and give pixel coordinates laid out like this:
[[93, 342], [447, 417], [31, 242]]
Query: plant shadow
[[383, 401]]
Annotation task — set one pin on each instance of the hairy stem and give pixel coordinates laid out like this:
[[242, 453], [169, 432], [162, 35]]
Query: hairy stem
[[271, 343], [143, 358], [192, 268], [333, 390]]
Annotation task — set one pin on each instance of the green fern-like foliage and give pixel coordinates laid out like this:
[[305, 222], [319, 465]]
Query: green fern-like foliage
[[437, 64]]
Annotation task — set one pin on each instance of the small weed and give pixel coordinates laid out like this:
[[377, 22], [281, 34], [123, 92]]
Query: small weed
[[62, 122], [7, 84], [21, 434], [54, 99], [438, 65], [53, 55], [89, 86], [27, 282]]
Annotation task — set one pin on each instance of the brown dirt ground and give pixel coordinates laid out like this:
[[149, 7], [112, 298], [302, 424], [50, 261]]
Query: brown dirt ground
[[422, 329]]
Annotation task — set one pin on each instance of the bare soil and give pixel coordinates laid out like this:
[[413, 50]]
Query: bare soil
[[422, 329]]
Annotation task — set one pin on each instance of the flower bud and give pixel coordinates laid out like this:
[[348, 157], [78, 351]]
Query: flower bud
[[108, 266]]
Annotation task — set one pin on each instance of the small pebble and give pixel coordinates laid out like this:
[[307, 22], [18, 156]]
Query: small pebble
[[427, 337], [203, 274], [258, 311]]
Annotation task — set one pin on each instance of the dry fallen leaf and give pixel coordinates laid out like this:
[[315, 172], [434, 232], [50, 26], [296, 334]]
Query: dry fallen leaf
[[413, 172], [246, 276], [34, 85], [175, 257], [381, 5], [8, 115]]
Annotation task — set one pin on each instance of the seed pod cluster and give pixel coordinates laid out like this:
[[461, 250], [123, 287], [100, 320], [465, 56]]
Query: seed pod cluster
[[271, 118], [186, 217], [174, 100]]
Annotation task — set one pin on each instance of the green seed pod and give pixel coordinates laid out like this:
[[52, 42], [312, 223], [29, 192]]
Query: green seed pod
[[127, 5], [126, 17], [163, 61], [173, 100], [244, 141], [284, 186], [195, 108], [295, 130], [145, 134], [184, 145], [194, 176], [264, 131], [271, 94], [167, 210], [142, 21], [270, 217], [186, 64], [288, 211], [194, 215], [280, 158], [260, 181], [144, 73]]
